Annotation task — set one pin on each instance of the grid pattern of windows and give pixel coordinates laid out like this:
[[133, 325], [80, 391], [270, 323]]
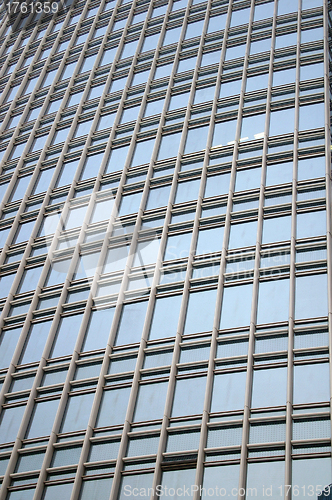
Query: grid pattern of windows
[[165, 262]]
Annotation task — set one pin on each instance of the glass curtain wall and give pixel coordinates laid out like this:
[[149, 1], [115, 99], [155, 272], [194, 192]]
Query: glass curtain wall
[[165, 272]]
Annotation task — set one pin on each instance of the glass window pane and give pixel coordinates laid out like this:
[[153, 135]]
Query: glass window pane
[[31, 461], [312, 116], [142, 153], [234, 348], [243, 235], [194, 29], [117, 159], [263, 11], [286, 40], [165, 317], [178, 101], [87, 265], [248, 179], [310, 168], [177, 246], [43, 181], [57, 491], [252, 127], [205, 94], [35, 342], [67, 173], [77, 412], [49, 225], [96, 489], [266, 478], [280, 173], [158, 197], [310, 71], [200, 312], [179, 481], [104, 451], [181, 441], [3, 238], [287, 6], [146, 252], [269, 387], [131, 323], [154, 107], [257, 82], [58, 272], [217, 23], [282, 122], [196, 139], [311, 224], [224, 132], [130, 204], [189, 396], [42, 419], [187, 191], [10, 423], [75, 217], [240, 16], [235, 51], [66, 456], [217, 185], [311, 383], [116, 259], [311, 296], [131, 484], [276, 229], [312, 475], [142, 446], [186, 64], [225, 478], [24, 232], [66, 335], [236, 306], [228, 89], [102, 210], [8, 342], [172, 35], [169, 146], [273, 301], [228, 392], [98, 330], [150, 402], [210, 240], [113, 407]]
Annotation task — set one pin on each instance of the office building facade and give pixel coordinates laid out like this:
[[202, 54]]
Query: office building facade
[[165, 271]]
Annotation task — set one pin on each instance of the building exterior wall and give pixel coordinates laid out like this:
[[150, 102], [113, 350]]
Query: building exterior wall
[[165, 273]]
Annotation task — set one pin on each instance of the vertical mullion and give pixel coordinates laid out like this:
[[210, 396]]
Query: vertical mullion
[[327, 126], [289, 401]]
